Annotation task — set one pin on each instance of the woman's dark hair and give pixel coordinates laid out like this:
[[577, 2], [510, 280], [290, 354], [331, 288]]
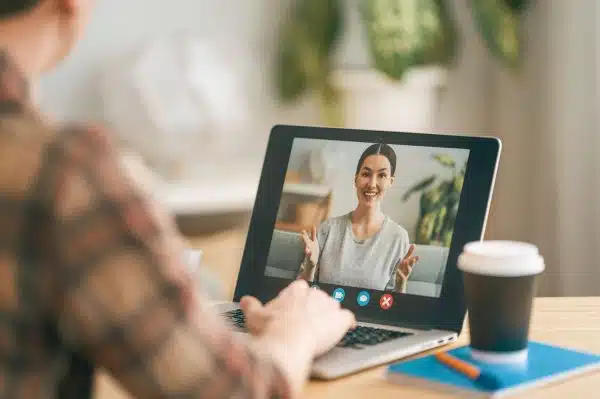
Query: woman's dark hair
[[379, 149], [11, 7]]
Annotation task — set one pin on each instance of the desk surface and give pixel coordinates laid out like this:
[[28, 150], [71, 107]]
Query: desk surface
[[569, 322]]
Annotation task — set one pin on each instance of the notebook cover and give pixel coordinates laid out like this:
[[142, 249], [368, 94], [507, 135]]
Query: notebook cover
[[546, 364]]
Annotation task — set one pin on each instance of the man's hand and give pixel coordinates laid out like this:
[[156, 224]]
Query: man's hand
[[308, 313], [300, 324], [405, 267]]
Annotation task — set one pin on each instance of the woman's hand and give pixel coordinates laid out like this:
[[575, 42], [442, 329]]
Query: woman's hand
[[405, 267], [311, 245]]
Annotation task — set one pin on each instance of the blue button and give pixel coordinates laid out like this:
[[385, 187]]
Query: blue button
[[339, 294], [363, 298]]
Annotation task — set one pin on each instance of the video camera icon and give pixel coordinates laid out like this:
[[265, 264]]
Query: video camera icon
[[339, 294]]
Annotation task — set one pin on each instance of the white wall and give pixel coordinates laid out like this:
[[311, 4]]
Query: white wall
[[249, 27], [413, 165], [548, 118], [119, 26]]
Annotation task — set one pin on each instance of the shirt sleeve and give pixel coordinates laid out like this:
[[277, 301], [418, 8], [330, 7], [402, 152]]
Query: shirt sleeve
[[121, 295]]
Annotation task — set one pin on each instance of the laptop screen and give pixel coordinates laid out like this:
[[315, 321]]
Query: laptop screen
[[376, 217]]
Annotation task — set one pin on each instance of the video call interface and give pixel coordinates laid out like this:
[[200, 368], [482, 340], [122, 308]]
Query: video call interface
[[376, 217]]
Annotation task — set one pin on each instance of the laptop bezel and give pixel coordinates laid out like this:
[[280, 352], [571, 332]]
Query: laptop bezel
[[447, 312]]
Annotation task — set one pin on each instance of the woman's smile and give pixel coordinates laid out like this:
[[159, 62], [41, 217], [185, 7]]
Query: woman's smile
[[370, 195]]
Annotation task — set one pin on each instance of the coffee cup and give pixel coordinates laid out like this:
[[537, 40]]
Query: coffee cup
[[500, 282]]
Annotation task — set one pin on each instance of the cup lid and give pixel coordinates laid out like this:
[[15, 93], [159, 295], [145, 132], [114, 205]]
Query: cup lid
[[501, 258]]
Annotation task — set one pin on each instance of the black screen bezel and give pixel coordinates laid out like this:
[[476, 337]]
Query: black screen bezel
[[446, 312]]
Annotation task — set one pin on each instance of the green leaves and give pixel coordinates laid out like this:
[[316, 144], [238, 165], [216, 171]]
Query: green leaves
[[438, 204], [306, 43], [407, 33], [400, 34], [517, 6], [423, 184], [445, 160], [498, 23]]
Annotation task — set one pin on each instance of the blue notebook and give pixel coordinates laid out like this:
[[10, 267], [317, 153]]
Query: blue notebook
[[546, 364]]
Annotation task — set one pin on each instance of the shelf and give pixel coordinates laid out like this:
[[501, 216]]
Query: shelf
[[295, 227], [204, 198], [307, 189]]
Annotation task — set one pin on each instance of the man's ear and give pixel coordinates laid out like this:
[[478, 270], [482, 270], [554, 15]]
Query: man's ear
[[70, 6]]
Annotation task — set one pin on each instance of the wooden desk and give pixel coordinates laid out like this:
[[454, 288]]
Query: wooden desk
[[570, 322]]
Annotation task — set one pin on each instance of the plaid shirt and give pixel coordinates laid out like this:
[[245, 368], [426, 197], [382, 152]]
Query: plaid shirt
[[89, 275]]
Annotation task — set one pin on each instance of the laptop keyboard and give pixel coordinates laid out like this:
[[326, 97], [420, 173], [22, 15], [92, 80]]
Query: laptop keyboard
[[356, 338], [237, 318], [367, 336]]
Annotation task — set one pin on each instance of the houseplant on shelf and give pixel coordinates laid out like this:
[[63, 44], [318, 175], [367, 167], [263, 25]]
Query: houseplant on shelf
[[401, 36], [438, 204]]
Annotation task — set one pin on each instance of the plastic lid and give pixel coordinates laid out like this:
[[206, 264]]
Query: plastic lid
[[501, 258]]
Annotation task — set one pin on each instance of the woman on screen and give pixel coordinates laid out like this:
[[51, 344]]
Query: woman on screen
[[363, 248]]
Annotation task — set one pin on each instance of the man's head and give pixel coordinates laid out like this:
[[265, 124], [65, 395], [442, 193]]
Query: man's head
[[12, 7], [40, 33]]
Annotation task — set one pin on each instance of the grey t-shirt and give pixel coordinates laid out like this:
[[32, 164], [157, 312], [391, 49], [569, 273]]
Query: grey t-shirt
[[369, 263]]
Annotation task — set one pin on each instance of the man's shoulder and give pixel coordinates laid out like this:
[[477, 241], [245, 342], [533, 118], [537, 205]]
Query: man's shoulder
[[19, 128]]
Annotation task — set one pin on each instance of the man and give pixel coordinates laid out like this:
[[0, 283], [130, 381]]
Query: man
[[89, 265]]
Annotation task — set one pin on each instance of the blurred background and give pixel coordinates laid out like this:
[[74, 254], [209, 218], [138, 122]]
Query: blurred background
[[192, 87]]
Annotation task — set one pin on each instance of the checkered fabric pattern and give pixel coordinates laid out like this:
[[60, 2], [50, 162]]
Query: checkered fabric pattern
[[90, 275]]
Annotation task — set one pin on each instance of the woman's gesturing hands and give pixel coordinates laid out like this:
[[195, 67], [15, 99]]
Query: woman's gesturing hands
[[311, 245], [405, 267]]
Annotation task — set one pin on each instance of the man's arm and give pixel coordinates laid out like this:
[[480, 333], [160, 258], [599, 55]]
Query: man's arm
[[121, 295]]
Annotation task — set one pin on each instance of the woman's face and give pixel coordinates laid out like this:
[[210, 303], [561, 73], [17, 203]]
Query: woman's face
[[373, 180]]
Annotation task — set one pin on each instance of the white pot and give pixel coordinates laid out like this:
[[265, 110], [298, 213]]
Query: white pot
[[375, 102]]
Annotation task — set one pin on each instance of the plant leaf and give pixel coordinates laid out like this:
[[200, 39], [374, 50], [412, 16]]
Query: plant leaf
[[405, 33], [421, 185], [306, 43], [445, 160], [449, 48], [291, 78], [499, 27], [517, 6], [324, 22]]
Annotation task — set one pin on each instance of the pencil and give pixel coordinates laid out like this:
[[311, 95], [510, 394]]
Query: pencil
[[485, 380]]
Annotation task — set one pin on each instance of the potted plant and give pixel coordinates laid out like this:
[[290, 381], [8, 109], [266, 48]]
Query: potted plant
[[403, 37], [438, 204]]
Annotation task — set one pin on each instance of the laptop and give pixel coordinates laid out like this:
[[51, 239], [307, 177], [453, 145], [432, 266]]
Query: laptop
[[438, 201]]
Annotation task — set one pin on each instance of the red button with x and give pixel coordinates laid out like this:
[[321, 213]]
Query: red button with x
[[386, 301]]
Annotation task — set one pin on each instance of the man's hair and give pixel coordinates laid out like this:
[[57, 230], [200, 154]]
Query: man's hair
[[379, 149], [12, 7]]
